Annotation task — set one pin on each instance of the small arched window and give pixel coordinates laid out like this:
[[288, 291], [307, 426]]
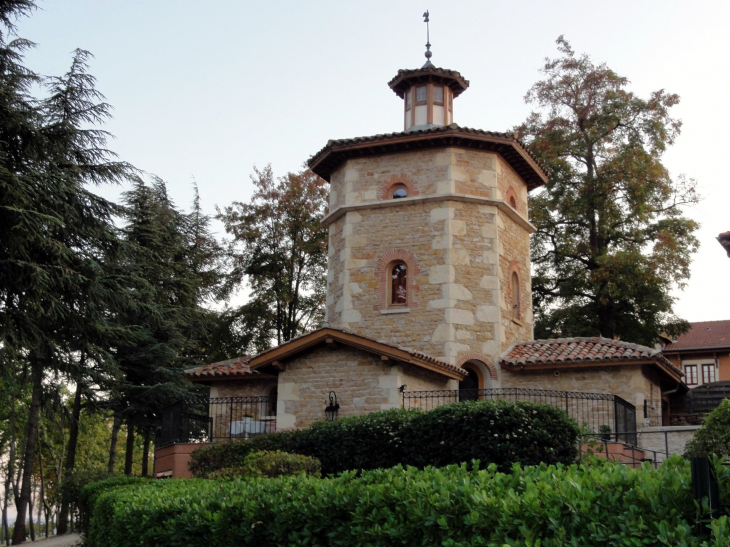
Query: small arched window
[[513, 202], [515, 296], [399, 191], [398, 284]]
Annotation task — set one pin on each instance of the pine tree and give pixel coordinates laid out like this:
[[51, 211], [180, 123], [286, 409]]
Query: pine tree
[[55, 231]]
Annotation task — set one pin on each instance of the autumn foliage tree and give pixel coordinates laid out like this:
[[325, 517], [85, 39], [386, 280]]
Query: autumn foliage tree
[[611, 238], [279, 248]]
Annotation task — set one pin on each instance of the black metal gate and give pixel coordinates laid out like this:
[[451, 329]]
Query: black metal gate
[[624, 420]]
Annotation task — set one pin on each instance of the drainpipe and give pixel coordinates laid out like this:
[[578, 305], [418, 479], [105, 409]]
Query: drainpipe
[[672, 391]]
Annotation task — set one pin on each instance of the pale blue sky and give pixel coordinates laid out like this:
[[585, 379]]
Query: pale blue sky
[[207, 90]]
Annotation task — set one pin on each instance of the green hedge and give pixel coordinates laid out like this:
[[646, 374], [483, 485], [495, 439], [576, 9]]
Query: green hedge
[[714, 435], [547, 506], [490, 431], [270, 464], [90, 494]]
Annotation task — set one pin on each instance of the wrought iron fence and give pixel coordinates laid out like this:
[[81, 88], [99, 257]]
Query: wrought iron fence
[[204, 420], [591, 410]]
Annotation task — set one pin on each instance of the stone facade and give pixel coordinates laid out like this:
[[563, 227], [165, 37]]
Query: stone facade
[[633, 383], [657, 440], [362, 381], [458, 237]]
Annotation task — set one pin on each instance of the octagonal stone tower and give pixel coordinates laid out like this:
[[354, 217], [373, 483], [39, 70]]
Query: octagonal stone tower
[[429, 230]]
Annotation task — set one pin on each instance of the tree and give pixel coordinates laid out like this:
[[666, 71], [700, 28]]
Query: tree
[[279, 248], [54, 232], [175, 262], [611, 240]]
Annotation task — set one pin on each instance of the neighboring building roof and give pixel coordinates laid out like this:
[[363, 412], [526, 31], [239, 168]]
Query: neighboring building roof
[[724, 239], [274, 356], [402, 81], [327, 160], [539, 354], [230, 368], [703, 335]]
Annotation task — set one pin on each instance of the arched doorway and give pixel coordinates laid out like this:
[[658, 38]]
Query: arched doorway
[[469, 387]]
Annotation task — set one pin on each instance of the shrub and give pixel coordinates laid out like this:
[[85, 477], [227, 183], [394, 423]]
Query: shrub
[[549, 506], [91, 492], [714, 435], [490, 431], [75, 481], [271, 464]]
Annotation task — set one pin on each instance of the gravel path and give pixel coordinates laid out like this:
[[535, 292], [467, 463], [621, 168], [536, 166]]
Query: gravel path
[[68, 540]]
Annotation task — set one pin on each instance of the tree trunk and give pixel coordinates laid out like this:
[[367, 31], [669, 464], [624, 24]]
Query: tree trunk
[[146, 453], [73, 435], [30, 512], [129, 455], [113, 446], [30, 443]]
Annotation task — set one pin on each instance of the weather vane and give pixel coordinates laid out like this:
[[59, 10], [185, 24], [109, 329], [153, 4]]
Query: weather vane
[[428, 40]]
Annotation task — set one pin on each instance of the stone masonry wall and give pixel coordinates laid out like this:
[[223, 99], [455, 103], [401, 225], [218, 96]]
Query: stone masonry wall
[[362, 381], [634, 383], [458, 304]]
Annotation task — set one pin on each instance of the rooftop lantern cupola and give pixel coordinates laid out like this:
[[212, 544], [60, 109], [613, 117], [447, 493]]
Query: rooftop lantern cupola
[[428, 92]]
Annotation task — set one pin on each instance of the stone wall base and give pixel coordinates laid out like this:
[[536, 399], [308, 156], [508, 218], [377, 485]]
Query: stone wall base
[[671, 439]]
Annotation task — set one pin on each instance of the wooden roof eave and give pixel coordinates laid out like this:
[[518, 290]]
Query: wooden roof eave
[[508, 148], [593, 364], [295, 347]]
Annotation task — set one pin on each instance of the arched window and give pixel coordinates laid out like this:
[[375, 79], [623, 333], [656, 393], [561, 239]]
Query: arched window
[[515, 296], [399, 191], [513, 202], [398, 272]]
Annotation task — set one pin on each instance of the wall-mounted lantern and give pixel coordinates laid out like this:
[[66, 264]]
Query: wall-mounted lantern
[[331, 410]]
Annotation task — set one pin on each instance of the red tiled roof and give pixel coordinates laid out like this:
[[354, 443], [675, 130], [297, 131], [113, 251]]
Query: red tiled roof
[[563, 351], [405, 78], [237, 366], [703, 334], [508, 145]]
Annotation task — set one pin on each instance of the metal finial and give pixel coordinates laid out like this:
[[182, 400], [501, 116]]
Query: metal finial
[[428, 40]]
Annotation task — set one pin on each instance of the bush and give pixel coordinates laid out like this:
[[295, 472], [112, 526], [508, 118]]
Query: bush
[[91, 492], [75, 481], [714, 435], [271, 464], [550, 506], [490, 431]]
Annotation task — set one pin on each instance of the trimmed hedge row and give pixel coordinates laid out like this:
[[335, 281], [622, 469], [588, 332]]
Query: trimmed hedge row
[[270, 464], [547, 506], [91, 492], [490, 431]]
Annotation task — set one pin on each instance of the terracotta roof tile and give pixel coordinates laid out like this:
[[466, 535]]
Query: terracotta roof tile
[[434, 133], [703, 334], [237, 366], [405, 78], [580, 350]]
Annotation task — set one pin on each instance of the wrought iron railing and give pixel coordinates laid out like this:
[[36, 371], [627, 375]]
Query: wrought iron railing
[[204, 420], [591, 410]]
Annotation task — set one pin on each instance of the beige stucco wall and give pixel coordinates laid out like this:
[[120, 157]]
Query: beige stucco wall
[[362, 381], [455, 233]]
